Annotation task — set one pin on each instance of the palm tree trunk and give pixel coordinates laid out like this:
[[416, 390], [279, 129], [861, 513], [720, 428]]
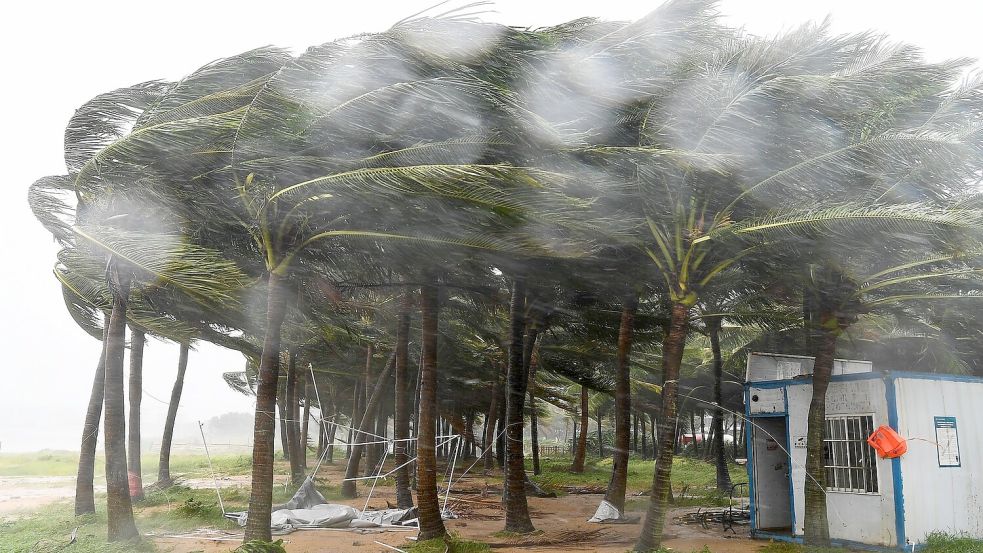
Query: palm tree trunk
[[281, 407], [533, 415], [816, 522], [119, 509], [580, 451], [84, 496], [717, 428], [401, 422], [490, 419], [615, 493], [291, 407], [164, 468], [645, 451], [137, 341], [500, 431], [306, 421], [353, 420], [431, 524], [655, 518], [261, 491], [517, 517], [348, 488], [600, 437]]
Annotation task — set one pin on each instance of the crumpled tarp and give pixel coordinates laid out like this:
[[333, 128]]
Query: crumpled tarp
[[332, 515], [327, 515], [606, 512], [306, 497]]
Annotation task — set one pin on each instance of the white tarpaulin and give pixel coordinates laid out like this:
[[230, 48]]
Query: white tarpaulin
[[332, 515], [606, 512], [326, 515]]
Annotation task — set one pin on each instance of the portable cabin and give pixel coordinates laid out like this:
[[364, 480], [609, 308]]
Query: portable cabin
[[937, 485]]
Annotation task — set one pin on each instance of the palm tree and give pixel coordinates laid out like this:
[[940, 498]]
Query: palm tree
[[164, 467], [137, 341]]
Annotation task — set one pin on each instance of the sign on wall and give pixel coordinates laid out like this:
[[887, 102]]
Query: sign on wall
[[947, 440]]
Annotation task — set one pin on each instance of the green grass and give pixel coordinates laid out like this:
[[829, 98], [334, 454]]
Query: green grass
[[940, 542], [450, 544], [65, 463], [176, 509], [696, 477]]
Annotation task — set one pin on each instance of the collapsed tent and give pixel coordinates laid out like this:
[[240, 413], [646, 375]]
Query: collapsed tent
[[309, 509]]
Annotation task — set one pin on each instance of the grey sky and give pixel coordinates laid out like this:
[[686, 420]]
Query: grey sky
[[58, 55]]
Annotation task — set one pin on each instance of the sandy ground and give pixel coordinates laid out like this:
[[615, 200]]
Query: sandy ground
[[23, 494], [561, 521]]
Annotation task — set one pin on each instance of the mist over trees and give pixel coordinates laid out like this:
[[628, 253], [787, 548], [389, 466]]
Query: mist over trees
[[452, 222]]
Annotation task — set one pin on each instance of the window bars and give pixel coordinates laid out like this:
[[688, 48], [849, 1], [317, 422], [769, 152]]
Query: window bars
[[850, 463]]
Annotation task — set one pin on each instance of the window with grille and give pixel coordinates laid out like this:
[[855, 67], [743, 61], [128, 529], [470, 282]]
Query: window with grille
[[851, 464]]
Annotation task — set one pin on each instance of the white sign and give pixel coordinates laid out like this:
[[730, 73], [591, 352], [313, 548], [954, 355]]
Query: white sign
[[947, 440], [799, 442]]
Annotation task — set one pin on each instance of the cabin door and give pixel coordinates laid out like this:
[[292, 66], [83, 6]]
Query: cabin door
[[771, 460]]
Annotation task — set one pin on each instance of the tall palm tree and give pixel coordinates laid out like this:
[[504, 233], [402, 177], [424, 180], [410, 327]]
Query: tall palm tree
[[137, 341], [164, 467]]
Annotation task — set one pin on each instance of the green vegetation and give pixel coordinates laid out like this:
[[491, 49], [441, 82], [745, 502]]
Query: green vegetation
[[448, 544], [175, 509], [65, 463], [260, 546], [941, 542], [690, 477]]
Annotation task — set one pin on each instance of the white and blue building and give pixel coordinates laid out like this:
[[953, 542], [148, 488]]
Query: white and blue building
[[879, 503]]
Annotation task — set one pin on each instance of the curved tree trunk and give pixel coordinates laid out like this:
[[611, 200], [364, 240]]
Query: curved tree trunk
[[84, 497], [580, 451], [119, 509], [401, 422], [261, 491], [517, 517], [137, 341], [164, 468], [672, 357], [816, 520], [717, 428], [365, 425], [292, 409], [615, 493], [431, 524]]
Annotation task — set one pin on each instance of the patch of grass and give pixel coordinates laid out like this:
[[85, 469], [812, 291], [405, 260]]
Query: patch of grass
[[450, 544], [52, 530], [65, 463], [941, 542], [696, 477], [43, 463], [259, 546]]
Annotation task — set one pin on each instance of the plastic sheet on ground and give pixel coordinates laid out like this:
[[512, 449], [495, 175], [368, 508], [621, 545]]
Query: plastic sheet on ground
[[327, 515], [332, 515], [606, 512], [306, 497]]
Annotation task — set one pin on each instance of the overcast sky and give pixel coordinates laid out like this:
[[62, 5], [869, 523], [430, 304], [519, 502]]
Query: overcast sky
[[58, 55]]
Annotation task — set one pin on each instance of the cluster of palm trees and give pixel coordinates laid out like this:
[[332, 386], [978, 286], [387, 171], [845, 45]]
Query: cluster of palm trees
[[576, 203]]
